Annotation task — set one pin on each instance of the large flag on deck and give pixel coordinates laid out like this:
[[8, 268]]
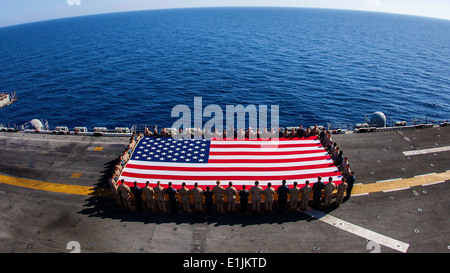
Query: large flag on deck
[[241, 161]]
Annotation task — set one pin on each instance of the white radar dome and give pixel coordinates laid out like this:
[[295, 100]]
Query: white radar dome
[[36, 124], [378, 119]]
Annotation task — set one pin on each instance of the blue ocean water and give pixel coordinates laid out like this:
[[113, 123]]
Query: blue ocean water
[[318, 65]]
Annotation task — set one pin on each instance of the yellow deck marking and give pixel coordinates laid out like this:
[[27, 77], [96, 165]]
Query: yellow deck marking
[[89, 190], [53, 187], [401, 183], [76, 175], [98, 149]]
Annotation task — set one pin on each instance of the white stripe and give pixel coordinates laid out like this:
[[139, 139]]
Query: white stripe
[[264, 143], [280, 149], [231, 165], [265, 156], [399, 189], [427, 151], [389, 180], [359, 231], [433, 183], [230, 173], [427, 174], [360, 194]]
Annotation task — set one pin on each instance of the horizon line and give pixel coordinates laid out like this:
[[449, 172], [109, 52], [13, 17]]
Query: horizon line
[[221, 7]]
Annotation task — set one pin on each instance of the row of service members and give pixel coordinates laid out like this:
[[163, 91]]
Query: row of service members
[[126, 155], [123, 193]]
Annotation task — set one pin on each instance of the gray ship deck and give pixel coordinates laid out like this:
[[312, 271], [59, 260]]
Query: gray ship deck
[[43, 219]]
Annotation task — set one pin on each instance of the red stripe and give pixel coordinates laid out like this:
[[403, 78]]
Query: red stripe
[[229, 178], [228, 169]]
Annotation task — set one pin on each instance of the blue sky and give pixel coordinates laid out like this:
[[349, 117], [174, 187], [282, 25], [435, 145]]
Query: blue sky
[[14, 12]]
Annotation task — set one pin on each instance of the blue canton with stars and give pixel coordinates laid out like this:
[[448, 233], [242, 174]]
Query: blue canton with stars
[[172, 150]]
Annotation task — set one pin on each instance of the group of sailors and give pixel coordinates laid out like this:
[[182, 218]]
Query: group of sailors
[[122, 192], [213, 199], [239, 134], [125, 157]]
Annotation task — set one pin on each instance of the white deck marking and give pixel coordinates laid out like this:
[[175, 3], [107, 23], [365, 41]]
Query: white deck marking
[[359, 231], [399, 189], [427, 151], [389, 180], [360, 194], [71, 140], [433, 183], [422, 175]]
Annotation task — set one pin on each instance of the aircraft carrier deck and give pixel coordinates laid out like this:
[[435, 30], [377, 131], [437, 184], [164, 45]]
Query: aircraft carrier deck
[[54, 191]]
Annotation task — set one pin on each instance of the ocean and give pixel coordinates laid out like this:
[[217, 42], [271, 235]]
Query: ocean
[[317, 65]]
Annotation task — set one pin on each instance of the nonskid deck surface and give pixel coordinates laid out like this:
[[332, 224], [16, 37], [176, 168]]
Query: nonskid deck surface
[[78, 160], [45, 221], [381, 156]]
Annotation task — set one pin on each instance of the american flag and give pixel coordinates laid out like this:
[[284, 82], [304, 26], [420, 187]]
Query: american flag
[[241, 161]]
